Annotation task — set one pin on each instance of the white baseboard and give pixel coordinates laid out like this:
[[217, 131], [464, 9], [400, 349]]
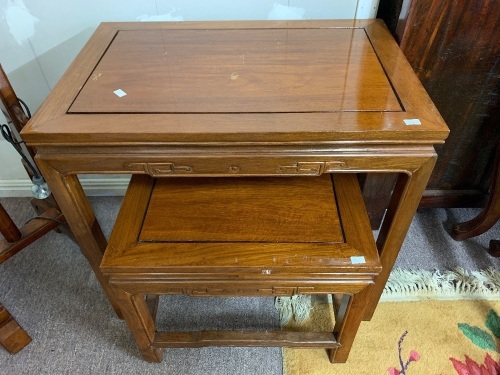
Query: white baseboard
[[92, 186]]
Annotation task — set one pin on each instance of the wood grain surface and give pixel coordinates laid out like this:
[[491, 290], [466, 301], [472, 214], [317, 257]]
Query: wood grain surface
[[234, 71], [243, 210]]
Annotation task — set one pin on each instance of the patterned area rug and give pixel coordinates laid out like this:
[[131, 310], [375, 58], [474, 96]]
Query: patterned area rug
[[446, 326]]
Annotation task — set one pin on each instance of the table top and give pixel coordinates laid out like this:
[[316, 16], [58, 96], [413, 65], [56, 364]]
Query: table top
[[293, 81], [237, 71]]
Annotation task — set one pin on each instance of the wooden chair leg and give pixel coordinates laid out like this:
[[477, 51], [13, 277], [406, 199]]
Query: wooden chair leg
[[12, 337], [43, 205], [488, 216], [138, 317], [8, 228], [30, 232]]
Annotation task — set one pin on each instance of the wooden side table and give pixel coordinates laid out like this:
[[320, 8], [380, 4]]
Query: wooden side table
[[242, 237], [226, 99]]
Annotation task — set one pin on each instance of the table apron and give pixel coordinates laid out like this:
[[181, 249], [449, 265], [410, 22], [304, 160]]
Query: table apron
[[209, 165]]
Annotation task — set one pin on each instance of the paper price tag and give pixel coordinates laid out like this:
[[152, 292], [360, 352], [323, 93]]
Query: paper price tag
[[358, 260], [120, 93], [412, 121]]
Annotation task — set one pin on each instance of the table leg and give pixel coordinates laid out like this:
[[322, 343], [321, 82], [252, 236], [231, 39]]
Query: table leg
[[12, 336], [347, 324], [141, 323], [404, 202], [80, 216]]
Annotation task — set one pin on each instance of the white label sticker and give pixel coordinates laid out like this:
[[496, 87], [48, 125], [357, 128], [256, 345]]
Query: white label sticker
[[120, 93], [358, 260], [412, 121]]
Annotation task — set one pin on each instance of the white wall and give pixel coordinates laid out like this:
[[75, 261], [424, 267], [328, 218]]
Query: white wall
[[39, 39]]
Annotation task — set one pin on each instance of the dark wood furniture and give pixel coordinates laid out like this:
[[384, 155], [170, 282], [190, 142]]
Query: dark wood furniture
[[488, 217], [238, 99], [454, 49], [12, 337]]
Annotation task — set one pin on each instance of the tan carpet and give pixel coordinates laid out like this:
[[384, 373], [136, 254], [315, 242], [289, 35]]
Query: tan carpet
[[433, 337]]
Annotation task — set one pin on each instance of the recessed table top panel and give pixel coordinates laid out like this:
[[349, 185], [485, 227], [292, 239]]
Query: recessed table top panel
[[242, 210], [279, 70]]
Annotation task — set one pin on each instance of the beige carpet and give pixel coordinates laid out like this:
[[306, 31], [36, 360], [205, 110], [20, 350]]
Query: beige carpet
[[435, 337], [51, 290]]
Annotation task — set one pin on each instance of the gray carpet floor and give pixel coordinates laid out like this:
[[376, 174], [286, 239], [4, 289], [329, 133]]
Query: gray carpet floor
[[53, 294]]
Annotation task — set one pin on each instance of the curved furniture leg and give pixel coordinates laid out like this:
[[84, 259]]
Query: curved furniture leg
[[488, 216]]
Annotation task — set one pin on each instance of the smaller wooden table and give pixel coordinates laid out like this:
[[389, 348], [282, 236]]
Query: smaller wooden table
[[242, 237]]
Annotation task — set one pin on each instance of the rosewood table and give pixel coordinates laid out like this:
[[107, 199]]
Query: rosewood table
[[214, 99]]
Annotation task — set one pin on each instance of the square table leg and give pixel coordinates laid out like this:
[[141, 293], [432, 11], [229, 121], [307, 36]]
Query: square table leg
[[404, 202], [141, 323], [347, 325], [12, 336], [80, 216]]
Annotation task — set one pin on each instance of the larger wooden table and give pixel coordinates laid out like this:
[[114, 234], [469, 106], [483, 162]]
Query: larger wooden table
[[238, 99]]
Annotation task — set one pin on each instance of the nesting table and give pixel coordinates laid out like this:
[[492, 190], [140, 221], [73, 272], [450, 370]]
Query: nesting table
[[250, 100]]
